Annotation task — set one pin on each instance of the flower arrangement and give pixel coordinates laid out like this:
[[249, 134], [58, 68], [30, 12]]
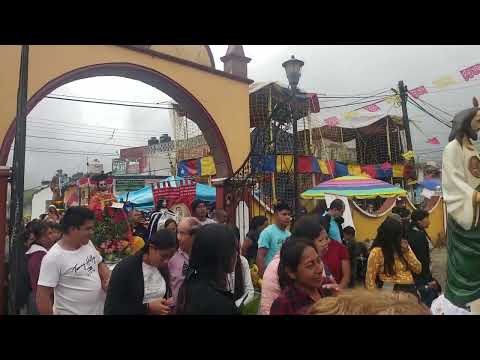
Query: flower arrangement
[[112, 236]]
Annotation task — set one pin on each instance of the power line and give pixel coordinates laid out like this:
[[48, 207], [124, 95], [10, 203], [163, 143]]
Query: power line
[[435, 107], [99, 127], [373, 103], [321, 101], [79, 141], [80, 133], [438, 117], [113, 100], [85, 133], [442, 121], [354, 103], [376, 92], [70, 153], [320, 96], [109, 103]]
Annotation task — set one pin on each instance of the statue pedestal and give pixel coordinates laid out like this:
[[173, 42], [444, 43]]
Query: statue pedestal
[[475, 307]]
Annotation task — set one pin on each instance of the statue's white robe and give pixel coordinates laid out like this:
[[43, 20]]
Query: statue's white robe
[[459, 184]]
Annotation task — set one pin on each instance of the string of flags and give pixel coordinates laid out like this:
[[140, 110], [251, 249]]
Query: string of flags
[[464, 75], [197, 167], [309, 164]]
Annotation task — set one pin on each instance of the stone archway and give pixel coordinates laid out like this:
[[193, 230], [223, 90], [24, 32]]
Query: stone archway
[[189, 103], [216, 101]]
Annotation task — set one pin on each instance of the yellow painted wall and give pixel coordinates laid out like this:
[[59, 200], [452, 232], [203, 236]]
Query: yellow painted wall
[[226, 100], [436, 230], [195, 53], [366, 225], [258, 209]]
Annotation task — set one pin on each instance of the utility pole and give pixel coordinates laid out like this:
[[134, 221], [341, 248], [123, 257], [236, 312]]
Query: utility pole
[[403, 92], [402, 88], [16, 216]]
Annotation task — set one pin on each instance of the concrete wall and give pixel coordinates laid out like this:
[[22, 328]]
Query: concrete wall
[[39, 202]]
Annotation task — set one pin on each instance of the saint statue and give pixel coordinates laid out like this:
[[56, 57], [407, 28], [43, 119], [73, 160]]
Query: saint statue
[[461, 191], [103, 196]]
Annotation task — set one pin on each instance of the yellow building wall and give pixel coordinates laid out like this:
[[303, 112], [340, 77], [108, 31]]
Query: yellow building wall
[[436, 230], [366, 225], [225, 99]]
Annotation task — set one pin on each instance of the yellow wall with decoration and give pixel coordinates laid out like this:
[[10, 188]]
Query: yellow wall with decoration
[[366, 225]]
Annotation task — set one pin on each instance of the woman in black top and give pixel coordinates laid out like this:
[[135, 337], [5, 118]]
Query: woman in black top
[[250, 244], [213, 257], [419, 241], [140, 283]]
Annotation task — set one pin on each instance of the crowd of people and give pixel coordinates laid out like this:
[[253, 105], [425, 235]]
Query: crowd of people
[[202, 266]]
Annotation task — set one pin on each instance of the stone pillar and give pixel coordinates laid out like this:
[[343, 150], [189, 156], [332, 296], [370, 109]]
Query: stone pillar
[[235, 62]]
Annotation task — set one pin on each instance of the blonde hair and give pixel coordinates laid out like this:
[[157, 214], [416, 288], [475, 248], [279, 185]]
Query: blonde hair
[[369, 302]]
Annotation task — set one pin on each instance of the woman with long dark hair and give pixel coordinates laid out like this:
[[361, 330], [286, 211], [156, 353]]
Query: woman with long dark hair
[[204, 290], [140, 283], [309, 229], [300, 274], [391, 260], [239, 282], [420, 242], [250, 244], [41, 240]]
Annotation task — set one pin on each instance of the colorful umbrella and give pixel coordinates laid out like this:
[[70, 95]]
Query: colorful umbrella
[[360, 187]]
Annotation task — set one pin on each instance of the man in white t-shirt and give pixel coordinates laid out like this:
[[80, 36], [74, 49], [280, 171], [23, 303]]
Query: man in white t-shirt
[[73, 278]]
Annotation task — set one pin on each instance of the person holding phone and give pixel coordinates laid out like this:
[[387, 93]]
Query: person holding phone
[[140, 283]]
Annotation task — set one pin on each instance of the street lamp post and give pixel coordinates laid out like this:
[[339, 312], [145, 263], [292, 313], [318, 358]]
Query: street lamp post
[[293, 70]]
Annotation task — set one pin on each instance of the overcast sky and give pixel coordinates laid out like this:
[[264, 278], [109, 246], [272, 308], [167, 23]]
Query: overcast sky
[[331, 70]]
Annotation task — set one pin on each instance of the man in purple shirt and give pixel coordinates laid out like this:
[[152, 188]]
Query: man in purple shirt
[[178, 264]]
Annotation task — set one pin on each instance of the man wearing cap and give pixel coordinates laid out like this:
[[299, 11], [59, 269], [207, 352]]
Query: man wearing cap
[[200, 211]]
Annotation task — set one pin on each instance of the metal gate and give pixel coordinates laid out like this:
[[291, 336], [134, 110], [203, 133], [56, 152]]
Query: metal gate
[[267, 176]]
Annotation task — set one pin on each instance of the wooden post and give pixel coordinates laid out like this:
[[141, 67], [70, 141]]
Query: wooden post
[[311, 148], [389, 145]]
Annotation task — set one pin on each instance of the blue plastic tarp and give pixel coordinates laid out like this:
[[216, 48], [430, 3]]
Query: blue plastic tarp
[[142, 199], [431, 184]]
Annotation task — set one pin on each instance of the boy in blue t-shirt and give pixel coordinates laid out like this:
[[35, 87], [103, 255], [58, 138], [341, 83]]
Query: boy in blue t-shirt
[[272, 237]]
